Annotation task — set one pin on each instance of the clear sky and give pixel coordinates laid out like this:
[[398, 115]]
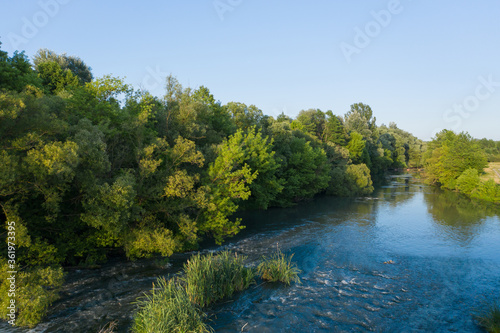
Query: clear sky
[[425, 65]]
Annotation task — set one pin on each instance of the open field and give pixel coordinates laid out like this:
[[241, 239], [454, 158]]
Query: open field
[[492, 172]]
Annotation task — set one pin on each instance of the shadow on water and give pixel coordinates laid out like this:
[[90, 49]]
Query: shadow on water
[[408, 258]]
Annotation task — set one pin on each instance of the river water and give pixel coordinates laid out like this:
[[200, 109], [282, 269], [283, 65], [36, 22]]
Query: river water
[[409, 258]]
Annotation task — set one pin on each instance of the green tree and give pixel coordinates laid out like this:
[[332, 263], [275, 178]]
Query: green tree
[[334, 129], [303, 165], [74, 64], [229, 178], [356, 147], [16, 72], [313, 122], [244, 116], [54, 78], [449, 155]]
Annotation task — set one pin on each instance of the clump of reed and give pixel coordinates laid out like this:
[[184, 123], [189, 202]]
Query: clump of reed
[[489, 318], [176, 305], [168, 309], [279, 267], [211, 277]]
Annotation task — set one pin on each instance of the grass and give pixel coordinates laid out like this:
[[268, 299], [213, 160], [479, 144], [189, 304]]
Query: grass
[[211, 278], [168, 309], [279, 267], [176, 305], [489, 318], [490, 172]]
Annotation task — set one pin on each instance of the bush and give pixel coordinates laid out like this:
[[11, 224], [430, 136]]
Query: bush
[[279, 267], [168, 309], [211, 278], [489, 319]]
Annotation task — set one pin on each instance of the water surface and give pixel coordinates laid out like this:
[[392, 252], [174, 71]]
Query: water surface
[[409, 258]]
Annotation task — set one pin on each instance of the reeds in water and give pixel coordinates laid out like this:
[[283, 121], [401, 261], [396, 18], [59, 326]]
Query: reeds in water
[[489, 318], [279, 267], [168, 309], [211, 277]]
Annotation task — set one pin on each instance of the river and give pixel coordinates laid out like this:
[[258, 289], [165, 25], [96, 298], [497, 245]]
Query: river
[[409, 258]]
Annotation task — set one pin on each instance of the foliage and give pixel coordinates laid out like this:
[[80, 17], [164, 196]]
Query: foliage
[[244, 117], [449, 155], [356, 147], [303, 164], [211, 277], [16, 72], [54, 78], [360, 119], [468, 181], [491, 149], [228, 179], [401, 148], [168, 309], [279, 267], [350, 180], [74, 64], [455, 161], [35, 290]]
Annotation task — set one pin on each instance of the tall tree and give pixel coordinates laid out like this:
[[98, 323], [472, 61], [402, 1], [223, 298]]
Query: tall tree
[[74, 64]]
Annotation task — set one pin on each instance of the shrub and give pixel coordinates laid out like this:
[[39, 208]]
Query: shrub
[[168, 309], [211, 278], [279, 267]]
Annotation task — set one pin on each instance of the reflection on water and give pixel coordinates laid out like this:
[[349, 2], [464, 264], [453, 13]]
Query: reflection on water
[[409, 258], [457, 216]]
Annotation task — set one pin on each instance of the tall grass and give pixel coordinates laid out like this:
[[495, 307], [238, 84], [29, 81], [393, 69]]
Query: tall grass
[[175, 305], [168, 309], [489, 318], [279, 267], [210, 278]]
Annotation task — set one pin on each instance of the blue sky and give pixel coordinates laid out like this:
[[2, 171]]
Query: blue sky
[[425, 65]]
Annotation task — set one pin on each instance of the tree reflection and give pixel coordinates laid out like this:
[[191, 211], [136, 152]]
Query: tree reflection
[[457, 216]]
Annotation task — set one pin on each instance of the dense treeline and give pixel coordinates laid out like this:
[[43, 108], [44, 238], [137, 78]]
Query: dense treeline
[[491, 149], [88, 165], [456, 161]]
